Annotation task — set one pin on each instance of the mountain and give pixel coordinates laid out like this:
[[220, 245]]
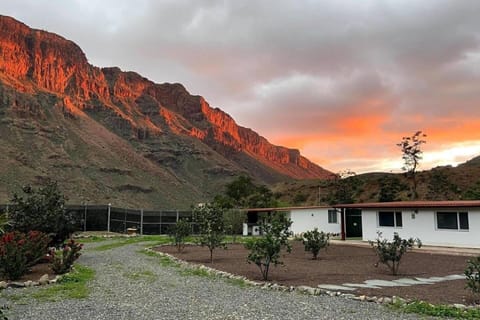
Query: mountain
[[441, 183], [111, 136]]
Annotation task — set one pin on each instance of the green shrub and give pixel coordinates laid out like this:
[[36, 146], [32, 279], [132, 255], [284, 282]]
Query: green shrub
[[266, 249], [391, 252], [19, 251], [472, 273], [179, 232], [42, 210], [63, 259], [314, 241], [209, 218]]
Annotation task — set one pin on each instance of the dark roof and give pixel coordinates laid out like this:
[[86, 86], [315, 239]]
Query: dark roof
[[284, 208], [413, 204]]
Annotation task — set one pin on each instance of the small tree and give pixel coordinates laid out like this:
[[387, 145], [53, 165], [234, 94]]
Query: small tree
[[233, 220], [412, 154], [390, 252], [314, 241], [179, 233], [209, 218], [266, 249], [42, 210], [472, 273]]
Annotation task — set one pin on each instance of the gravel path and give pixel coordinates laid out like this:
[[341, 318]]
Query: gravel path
[[131, 285]]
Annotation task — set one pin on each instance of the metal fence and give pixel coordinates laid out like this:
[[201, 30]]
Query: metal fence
[[115, 219]]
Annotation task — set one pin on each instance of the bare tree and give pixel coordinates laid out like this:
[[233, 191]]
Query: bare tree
[[412, 154]]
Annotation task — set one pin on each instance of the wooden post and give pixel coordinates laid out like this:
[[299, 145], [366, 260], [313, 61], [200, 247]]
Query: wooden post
[[342, 224]]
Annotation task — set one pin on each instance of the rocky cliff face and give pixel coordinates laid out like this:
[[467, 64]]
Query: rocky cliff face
[[33, 61]]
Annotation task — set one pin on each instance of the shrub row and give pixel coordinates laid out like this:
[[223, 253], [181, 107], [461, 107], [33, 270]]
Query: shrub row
[[20, 251]]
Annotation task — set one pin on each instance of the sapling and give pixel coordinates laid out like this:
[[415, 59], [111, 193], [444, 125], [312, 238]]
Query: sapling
[[314, 241], [265, 250], [179, 233], [390, 253]]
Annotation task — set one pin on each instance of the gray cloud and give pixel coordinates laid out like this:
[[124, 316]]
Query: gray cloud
[[284, 67]]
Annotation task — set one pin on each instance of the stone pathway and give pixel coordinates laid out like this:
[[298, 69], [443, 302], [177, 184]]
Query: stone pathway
[[378, 284]]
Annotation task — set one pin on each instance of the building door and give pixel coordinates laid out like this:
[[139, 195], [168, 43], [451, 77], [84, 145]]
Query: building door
[[353, 223]]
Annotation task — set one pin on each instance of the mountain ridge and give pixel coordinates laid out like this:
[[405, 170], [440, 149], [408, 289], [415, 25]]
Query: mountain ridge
[[45, 77]]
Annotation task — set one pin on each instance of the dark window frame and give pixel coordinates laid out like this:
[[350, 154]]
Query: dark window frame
[[332, 213], [460, 221], [395, 221]]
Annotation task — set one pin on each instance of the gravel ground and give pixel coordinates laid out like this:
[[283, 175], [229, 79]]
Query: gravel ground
[[131, 285]]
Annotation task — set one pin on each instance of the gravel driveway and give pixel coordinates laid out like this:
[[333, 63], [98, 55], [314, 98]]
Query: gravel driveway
[[131, 285]]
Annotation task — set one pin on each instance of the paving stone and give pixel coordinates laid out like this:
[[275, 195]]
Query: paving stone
[[455, 277], [360, 285], [427, 280], [335, 287], [437, 279], [410, 281], [385, 283]]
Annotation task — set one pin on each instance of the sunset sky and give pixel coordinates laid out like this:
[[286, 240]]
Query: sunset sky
[[342, 81]]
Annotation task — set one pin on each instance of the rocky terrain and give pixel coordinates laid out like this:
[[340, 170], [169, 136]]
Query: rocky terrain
[[112, 136]]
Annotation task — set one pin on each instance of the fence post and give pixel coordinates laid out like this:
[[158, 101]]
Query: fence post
[[141, 222], [85, 218], [177, 216], [108, 217], [125, 221]]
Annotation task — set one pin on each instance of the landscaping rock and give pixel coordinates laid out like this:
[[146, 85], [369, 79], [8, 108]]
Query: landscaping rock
[[17, 284], [3, 285], [459, 306], [43, 280], [387, 300]]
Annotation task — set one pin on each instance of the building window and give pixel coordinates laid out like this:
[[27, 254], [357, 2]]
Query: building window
[[390, 219], [332, 216], [452, 220]]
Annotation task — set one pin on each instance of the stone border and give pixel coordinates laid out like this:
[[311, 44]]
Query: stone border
[[29, 283], [299, 289]]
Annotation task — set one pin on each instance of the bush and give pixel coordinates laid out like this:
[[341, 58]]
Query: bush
[[19, 251], [314, 241], [42, 210], [266, 249], [390, 252], [472, 273], [36, 247], [179, 232], [63, 259]]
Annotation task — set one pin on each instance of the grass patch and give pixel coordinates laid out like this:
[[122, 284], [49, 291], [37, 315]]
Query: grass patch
[[165, 261], [236, 282], [94, 239], [143, 275], [120, 242], [71, 286], [426, 308]]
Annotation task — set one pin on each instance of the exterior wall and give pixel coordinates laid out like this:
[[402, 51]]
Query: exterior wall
[[310, 218], [424, 227]]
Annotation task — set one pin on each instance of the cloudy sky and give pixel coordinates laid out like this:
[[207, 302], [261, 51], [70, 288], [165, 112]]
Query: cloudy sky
[[343, 81]]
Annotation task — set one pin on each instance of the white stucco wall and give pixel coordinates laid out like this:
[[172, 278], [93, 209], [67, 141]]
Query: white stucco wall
[[304, 219], [424, 227]]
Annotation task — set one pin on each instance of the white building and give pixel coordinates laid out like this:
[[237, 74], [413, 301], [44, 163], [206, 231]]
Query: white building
[[325, 218], [439, 223]]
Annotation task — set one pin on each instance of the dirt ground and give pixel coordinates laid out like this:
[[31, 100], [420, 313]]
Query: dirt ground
[[35, 273], [343, 264]]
